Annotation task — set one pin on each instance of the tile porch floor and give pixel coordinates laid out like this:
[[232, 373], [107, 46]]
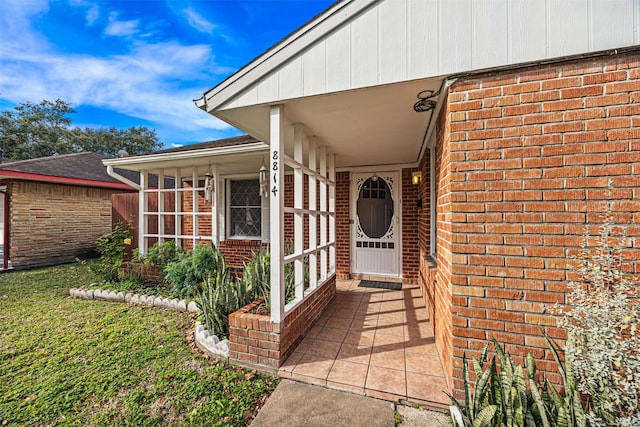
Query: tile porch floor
[[373, 341]]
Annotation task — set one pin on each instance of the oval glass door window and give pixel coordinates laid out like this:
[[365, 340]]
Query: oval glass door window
[[375, 207]]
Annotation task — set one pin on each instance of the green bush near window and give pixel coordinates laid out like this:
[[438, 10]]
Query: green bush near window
[[191, 269], [203, 273]]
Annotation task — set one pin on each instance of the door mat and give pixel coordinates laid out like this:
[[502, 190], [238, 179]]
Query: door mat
[[393, 286]]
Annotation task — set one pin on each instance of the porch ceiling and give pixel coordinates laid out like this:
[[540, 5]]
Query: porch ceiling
[[363, 127]]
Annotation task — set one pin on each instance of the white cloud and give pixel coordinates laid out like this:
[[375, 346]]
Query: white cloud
[[140, 84], [92, 14], [121, 28], [155, 82], [198, 22]]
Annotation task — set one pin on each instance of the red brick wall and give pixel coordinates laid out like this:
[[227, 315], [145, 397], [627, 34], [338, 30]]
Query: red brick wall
[[410, 246], [436, 283], [256, 341], [238, 252], [526, 168], [54, 223], [343, 228]]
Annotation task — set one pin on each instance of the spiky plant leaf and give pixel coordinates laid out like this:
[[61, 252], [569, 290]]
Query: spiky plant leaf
[[467, 388], [485, 417], [480, 391], [539, 404]]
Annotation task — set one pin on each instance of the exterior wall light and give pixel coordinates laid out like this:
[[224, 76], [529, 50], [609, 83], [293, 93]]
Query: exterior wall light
[[264, 182], [416, 177], [208, 187]]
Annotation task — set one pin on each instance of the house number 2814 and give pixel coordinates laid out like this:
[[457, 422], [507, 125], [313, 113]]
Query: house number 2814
[[274, 190]]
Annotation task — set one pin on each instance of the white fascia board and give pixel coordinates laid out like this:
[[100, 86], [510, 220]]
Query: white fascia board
[[182, 155], [282, 52]]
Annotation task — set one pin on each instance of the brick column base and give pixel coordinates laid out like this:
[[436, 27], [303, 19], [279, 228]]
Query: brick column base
[[257, 342]]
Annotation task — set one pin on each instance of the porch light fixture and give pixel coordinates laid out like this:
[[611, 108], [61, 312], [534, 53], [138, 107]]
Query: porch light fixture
[[425, 101], [209, 186], [264, 181], [416, 177]]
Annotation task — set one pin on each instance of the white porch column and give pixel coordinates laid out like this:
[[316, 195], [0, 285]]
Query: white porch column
[[332, 213], [298, 205], [215, 206], [142, 210], [194, 208], [323, 213], [277, 212], [161, 206], [178, 207], [313, 216]]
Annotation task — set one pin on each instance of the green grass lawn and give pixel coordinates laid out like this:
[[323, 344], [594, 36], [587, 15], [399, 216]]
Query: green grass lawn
[[75, 362]]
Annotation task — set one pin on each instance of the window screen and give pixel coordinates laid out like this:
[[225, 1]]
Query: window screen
[[245, 208]]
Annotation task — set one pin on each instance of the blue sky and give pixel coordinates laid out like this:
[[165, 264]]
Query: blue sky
[[137, 62]]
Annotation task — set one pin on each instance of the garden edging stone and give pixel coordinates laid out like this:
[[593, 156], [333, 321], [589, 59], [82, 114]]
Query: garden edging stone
[[205, 341]]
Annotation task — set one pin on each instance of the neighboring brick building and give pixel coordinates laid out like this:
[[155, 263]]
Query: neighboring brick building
[[57, 208], [461, 145]]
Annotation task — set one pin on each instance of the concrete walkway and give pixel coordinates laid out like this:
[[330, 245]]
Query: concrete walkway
[[297, 404]]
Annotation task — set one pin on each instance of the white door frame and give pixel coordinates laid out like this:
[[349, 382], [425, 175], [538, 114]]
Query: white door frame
[[396, 176]]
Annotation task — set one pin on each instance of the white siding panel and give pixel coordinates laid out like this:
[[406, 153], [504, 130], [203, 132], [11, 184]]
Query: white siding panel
[[491, 33], [393, 40], [422, 38], [248, 97], [268, 89], [397, 40], [568, 27], [528, 30], [606, 18], [314, 73], [455, 36], [364, 38], [339, 60], [291, 79]]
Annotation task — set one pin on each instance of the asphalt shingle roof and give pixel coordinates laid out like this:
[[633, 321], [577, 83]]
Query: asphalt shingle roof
[[220, 143], [85, 165]]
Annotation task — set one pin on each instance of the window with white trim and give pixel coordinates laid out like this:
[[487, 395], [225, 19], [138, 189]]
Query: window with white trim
[[245, 209]]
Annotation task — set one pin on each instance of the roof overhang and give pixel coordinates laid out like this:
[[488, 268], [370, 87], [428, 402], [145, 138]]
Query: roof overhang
[[363, 127], [230, 160], [287, 48], [50, 179]]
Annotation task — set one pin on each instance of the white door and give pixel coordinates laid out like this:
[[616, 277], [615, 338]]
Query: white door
[[375, 248]]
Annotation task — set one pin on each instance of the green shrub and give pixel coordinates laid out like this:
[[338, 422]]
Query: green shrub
[[159, 254], [149, 268], [191, 269], [203, 272], [111, 247], [603, 324]]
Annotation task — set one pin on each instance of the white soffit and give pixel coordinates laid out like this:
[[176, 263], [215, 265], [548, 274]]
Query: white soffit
[[363, 43], [372, 126]]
